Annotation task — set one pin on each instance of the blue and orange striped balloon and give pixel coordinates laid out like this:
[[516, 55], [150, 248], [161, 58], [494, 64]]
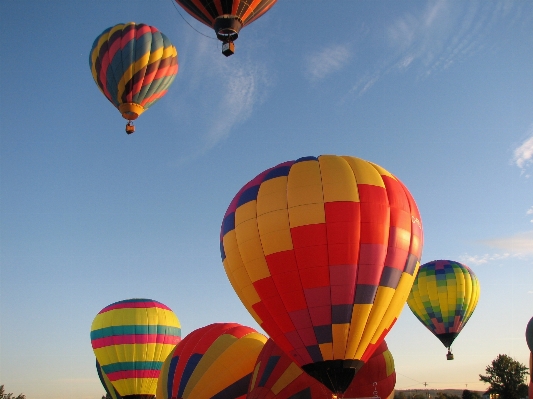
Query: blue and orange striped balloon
[[215, 361], [133, 65], [131, 339]]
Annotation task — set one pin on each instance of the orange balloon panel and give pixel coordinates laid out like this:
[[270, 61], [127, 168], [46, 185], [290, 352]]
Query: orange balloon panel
[[323, 251]]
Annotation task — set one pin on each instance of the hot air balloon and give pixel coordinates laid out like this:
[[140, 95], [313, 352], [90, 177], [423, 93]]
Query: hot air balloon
[[133, 65], [529, 335], [215, 361], [276, 376], [131, 339], [529, 340], [444, 296], [323, 253], [109, 388], [226, 17]]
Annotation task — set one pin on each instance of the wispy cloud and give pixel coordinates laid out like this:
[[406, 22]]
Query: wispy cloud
[[477, 260], [518, 246], [326, 61], [435, 37], [523, 154], [237, 103], [232, 88], [521, 243], [530, 212]]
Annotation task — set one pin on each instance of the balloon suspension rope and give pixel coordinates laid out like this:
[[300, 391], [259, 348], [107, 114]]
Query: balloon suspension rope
[[182, 17]]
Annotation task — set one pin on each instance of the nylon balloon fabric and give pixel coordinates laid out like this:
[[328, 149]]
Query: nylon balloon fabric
[[206, 11], [131, 339], [109, 388], [276, 376], [323, 251], [444, 296], [529, 334], [133, 65], [212, 362]]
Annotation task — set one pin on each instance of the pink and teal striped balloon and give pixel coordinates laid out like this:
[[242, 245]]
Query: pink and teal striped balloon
[[133, 65], [131, 339]]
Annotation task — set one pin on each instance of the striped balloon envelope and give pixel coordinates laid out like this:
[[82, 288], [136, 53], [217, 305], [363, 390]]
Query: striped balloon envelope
[[215, 361], [444, 296], [323, 251], [226, 17], [131, 339], [109, 388], [276, 376], [133, 65]]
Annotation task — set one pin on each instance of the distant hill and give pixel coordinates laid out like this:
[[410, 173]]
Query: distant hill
[[433, 392]]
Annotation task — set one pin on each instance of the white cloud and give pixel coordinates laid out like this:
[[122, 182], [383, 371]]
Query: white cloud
[[482, 259], [327, 61], [520, 244], [530, 212], [434, 37], [231, 89], [523, 154]]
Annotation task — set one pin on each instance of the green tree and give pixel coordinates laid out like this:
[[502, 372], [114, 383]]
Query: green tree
[[505, 376], [467, 394], [4, 395]]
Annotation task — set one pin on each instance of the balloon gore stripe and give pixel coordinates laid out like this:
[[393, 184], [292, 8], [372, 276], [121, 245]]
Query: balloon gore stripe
[[135, 339], [125, 374], [127, 366], [134, 303], [135, 329], [133, 64]]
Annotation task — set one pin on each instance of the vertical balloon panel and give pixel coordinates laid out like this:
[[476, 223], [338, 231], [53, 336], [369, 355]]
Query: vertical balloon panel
[[276, 376], [323, 252], [215, 361]]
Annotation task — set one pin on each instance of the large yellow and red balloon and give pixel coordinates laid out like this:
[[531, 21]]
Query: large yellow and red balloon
[[276, 376], [323, 251], [133, 65], [131, 339], [444, 296], [215, 361]]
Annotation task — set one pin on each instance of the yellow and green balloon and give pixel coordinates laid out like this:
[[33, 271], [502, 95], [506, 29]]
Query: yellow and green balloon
[[444, 296]]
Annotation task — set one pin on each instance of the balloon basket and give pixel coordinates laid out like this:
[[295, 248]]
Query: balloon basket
[[228, 48], [449, 355], [130, 128]]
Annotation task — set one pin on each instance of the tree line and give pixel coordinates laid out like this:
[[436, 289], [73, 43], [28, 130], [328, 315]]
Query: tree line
[[505, 375]]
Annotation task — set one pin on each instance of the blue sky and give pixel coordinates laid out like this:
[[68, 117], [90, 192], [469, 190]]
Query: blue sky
[[440, 93]]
